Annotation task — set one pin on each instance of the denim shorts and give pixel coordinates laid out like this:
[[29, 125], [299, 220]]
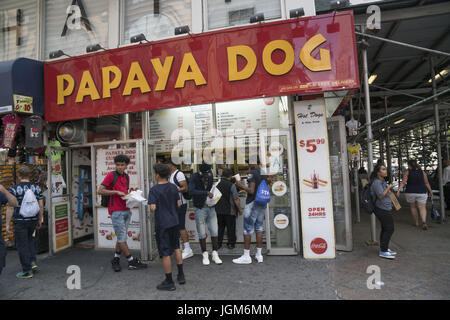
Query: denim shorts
[[206, 216], [254, 215], [120, 221]]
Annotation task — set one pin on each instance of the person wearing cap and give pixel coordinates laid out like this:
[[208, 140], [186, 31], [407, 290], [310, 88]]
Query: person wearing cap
[[254, 214], [200, 185]]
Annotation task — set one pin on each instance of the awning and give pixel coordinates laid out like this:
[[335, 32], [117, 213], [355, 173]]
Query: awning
[[22, 86]]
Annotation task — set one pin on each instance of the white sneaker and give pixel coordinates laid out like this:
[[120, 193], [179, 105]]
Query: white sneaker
[[205, 258], [259, 258], [215, 258], [187, 253], [243, 260]]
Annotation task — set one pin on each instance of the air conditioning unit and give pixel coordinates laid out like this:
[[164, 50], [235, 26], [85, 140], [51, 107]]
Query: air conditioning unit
[[71, 132]]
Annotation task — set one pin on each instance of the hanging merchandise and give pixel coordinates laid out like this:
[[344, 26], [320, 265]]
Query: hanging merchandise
[[354, 151], [11, 123], [55, 157], [352, 126], [33, 132], [84, 178], [58, 185]]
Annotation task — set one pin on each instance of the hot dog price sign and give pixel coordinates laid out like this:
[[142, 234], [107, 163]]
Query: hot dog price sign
[[314, 179]]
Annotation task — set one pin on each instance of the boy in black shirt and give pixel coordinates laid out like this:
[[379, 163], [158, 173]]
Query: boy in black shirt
[[163, 198]]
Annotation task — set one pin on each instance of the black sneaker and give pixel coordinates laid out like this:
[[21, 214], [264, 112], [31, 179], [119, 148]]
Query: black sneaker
[[166, 286], [136, 264], [116, 264], [180, 278], [230, 246]]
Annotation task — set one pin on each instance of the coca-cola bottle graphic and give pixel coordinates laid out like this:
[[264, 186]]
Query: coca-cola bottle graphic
[[315, 181]]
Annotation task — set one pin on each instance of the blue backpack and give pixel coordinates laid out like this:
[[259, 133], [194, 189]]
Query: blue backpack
[[262, 194]]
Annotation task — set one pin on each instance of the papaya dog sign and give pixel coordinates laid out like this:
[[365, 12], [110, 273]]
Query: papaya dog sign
[[304, 55]]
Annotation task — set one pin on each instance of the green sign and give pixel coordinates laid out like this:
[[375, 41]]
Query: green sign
[[61, 210]]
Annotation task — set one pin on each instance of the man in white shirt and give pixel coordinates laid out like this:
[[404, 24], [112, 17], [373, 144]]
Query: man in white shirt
[[178, 178], [446, 182]]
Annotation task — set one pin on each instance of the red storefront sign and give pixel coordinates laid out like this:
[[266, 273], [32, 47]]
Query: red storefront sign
[[306, 55]]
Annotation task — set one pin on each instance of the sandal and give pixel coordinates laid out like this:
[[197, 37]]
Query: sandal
[[424, 226]]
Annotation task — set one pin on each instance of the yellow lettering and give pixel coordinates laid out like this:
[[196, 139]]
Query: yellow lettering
[[87, 88], [108, 85], [248, 54], [286, 65], [136, 79], [314, 64], [185, 75], [162, 71], [67, 91]]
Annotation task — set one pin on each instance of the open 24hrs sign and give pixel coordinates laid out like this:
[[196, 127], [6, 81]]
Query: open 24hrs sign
[[23, 104]]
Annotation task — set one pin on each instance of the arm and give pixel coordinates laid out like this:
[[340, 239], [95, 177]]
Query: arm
[[404, 181], [385, 192], [250, 189], [193, 191], [12, 201], [41, 214], [236, 200], [179, 203], [427, 184], [105, 192], [9, 214]]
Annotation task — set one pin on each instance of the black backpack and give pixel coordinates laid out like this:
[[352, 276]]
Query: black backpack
[[186, 194], [367, 199], [106, 199]]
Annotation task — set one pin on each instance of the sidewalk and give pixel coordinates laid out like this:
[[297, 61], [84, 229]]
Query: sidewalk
[[421, 271]]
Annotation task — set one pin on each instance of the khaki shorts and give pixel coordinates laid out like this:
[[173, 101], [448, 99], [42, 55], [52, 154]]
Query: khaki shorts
[[416, 197]]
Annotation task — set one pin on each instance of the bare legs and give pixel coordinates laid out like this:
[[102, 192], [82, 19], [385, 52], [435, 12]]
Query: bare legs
[[122, 248], [417, 208], [414, 214]]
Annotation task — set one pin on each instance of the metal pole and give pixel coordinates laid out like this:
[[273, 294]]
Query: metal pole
[[405, 44], [446, 139], [422, 142], [388, 145], [355, 170], [364, 46], [438, 141]]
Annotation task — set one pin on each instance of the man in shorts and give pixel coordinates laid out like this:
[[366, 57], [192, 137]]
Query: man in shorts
[[120, 214]]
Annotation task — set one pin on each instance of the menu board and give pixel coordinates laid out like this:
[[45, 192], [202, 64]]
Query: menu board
[[61, 226], [256, 114], [196, 120], [314, 179]]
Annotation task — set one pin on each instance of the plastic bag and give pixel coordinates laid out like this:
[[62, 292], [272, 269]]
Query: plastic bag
[[211, 202], [134, 199], [435, 215], [30, 207]]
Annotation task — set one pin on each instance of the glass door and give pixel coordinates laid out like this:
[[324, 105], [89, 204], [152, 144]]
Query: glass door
[[282, 235]]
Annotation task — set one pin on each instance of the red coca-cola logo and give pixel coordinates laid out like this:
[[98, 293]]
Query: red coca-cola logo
[[319, 246], [192, 216]]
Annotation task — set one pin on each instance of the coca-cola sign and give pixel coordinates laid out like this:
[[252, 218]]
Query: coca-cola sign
[[319, 246]]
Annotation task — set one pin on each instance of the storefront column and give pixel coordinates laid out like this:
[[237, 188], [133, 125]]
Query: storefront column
[[355, 174], [124, 126], [388, 144], [364, 46], [438, 141]]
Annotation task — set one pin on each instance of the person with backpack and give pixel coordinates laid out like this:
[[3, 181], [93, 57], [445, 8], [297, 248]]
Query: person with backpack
[[382, 208], [417, 184], [200, 185], [178, 178], [5, 198], [28, 216], [254, 214], [227, 209], [113, 188]]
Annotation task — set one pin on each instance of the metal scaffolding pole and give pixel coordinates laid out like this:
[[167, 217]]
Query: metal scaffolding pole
[[355, 170], [446, 139], [438, 141], [364, 46], [422, 142], [388, 144]]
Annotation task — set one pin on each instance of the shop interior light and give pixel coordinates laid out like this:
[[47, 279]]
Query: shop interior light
[[372, 78], [399, 121], [182, 30], [339, 4], [259, 17], [94, 47], [441, 74], [296, 13], [57, 54], [138, 38]]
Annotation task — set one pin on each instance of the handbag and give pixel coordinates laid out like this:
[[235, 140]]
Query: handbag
[[435, 215], [211, 202], [262, 194]]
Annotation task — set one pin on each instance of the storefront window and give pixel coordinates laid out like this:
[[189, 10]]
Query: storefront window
[[155, 19], [18, 24], [72, 28], [223, 14]]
